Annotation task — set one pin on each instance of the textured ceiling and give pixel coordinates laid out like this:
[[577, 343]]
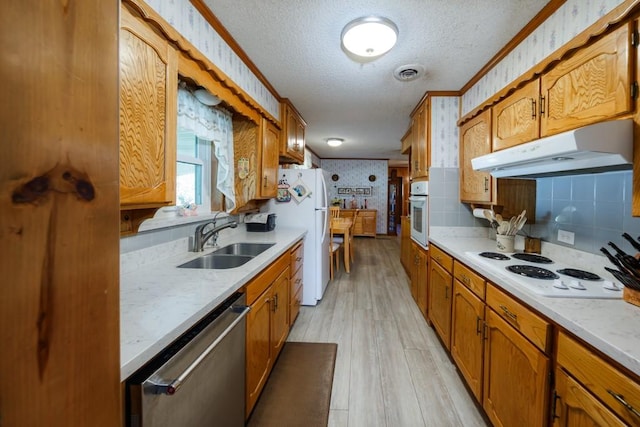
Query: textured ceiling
[[296, 45]]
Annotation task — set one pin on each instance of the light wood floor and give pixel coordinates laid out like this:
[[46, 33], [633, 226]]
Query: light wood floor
[[391, 370]]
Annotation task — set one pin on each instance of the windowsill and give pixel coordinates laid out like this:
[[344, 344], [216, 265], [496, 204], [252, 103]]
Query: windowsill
[[168, 217]]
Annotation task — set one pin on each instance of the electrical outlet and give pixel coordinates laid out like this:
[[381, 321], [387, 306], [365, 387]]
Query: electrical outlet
[[566, 237]]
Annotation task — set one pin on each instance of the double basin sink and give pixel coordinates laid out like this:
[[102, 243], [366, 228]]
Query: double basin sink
[[229, 256]]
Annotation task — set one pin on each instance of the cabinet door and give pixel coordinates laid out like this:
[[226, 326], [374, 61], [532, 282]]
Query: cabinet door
[[576, 407], [279, 312], [414, 270], [466, 336], [368, 223], [405, 245], [419, 143], [516, 119], [258, 352], [148, 115], [268, 185], [440, 302], [591, 86], [292, 145], [475, 140], [422, 285], [516, 376]]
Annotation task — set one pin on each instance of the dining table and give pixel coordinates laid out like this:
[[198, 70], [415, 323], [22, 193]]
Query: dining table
[[343, 226]]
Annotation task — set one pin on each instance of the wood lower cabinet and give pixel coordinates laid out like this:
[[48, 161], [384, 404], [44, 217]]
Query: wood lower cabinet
[[591, 391], [516, 376], [475, 141], [365, 223], [419, 273], [296, 270], [267, 325], [148, 115], [440, 291], [405, 243], [467, 344], [591, 86], [576, 407]]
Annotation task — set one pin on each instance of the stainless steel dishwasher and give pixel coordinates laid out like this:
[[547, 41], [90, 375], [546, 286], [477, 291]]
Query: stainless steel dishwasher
[[199, 380]]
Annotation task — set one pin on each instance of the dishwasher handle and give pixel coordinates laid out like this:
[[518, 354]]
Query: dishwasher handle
[[172, 387]]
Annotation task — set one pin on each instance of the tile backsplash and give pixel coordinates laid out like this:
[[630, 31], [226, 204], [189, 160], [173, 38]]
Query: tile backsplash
[[596, 207], [445, 208]]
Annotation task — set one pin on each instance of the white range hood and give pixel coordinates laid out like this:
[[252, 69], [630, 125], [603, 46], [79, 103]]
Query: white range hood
[[600, 147]]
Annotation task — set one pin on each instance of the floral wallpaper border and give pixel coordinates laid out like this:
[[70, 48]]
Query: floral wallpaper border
[[185, 18], [568, 21]]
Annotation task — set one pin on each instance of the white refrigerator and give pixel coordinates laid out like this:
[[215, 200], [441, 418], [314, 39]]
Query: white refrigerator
[[306, 208]]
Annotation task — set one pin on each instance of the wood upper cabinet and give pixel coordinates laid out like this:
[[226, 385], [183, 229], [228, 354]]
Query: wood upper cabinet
[[440, 291], [148, 115], [516, 376], [592, 85], [475, 140], [292, 140], [268, 183], [420, 141], [516, 119], [467, 319]]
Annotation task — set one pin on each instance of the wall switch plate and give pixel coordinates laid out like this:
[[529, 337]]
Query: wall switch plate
[[566, 237]]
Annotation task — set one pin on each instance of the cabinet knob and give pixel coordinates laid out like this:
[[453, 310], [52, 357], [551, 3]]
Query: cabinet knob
[[533, 108], [265, 179], [486, 184]]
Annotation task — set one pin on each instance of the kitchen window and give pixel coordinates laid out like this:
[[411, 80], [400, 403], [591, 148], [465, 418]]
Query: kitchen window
[[193, 170], [204, 152]]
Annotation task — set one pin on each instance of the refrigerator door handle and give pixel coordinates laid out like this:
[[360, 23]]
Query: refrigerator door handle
[[324, 223]]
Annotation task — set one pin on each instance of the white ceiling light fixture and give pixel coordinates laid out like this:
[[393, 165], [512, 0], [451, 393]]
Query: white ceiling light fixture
[[335, 142], [369, 37]]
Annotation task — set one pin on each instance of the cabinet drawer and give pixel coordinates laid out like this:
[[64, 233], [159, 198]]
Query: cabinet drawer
[[441, 257], [297, 257], [469, 278], [600, 378], [262, 281], [296, 281], [533, 327], [294, 310]]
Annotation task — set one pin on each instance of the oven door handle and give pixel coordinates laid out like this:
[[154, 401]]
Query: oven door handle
[[418, 199], [172, 387]]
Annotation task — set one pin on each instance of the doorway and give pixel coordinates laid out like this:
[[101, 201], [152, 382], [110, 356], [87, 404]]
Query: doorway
[[394, 209]]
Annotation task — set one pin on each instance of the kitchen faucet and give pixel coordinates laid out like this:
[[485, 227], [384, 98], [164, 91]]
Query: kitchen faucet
[[200, 237]]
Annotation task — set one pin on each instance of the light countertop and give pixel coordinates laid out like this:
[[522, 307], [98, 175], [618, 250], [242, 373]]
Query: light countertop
[[612, 326], [159, 302]]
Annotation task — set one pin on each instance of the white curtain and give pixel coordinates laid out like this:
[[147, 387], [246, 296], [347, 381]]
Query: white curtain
[[211, 124]]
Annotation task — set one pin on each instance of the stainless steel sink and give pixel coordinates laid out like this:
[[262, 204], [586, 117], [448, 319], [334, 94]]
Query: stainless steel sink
[[229, 256], [252, 249], [217, 261]]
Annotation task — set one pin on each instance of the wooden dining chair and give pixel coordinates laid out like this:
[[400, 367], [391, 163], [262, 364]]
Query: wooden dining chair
[[335, 211], [334, 253]]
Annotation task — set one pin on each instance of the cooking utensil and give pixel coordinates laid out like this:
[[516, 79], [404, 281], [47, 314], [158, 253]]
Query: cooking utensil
[[631, 240], [631, 260], [492, 220]]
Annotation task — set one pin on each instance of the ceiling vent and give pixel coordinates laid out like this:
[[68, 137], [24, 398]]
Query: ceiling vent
[[407, 73]]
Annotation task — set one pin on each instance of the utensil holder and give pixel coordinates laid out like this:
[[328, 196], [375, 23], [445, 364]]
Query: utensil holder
[[631, 296], [505, 243], [532, 245]]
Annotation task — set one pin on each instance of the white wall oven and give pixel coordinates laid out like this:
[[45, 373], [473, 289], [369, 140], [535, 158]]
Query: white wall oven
[[419, 206]]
